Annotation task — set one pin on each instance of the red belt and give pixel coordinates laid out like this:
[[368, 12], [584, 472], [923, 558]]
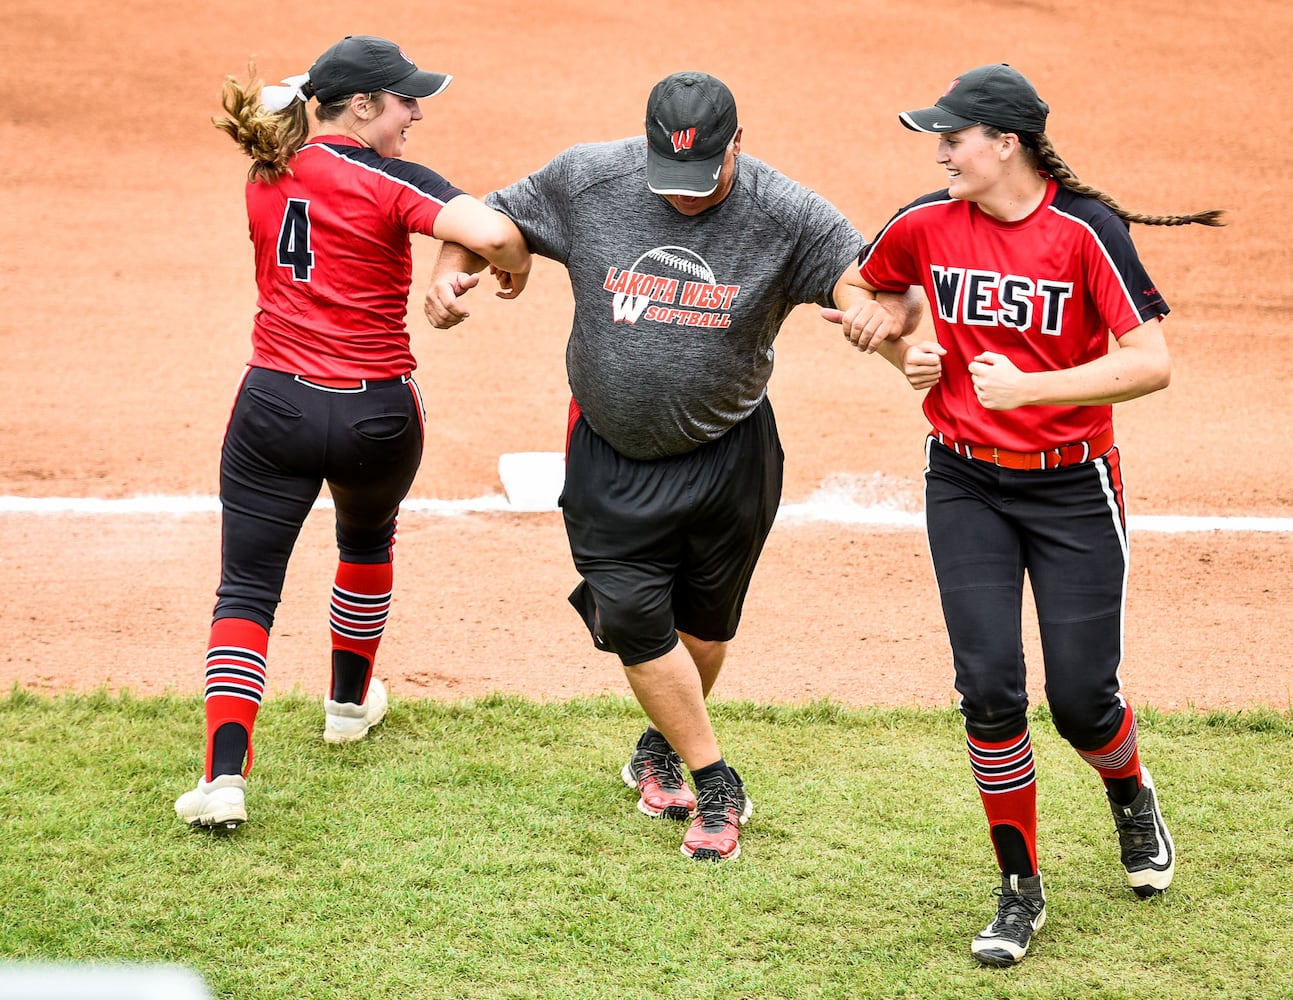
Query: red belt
[[1051, 458]]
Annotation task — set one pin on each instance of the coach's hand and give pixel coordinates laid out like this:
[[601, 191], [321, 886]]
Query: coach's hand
[[510, 283], [866, 324], [443, 305]]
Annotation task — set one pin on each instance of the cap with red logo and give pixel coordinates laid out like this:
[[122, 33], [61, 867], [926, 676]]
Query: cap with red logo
[[690, 119], [997, 95]]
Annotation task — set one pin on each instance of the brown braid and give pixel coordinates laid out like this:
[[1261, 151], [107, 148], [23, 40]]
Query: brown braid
[[1042, 153], [269, 138]]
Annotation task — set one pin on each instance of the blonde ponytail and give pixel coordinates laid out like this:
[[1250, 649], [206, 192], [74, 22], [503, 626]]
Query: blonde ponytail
[[269, 138]]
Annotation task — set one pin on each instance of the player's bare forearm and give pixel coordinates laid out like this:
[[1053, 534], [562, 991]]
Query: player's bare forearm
[[1138, 366], [488, 235], [894, 351]]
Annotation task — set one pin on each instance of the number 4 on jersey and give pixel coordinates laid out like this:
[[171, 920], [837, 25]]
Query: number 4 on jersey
[[294, 240]]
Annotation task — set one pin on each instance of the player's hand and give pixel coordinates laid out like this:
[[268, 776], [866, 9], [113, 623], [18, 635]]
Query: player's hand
[[997, 382], [923, 364], [866, 325], [443, 306], [510, 283]]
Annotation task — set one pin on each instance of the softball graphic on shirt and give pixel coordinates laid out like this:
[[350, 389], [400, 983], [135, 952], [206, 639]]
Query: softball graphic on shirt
[[670, 284]]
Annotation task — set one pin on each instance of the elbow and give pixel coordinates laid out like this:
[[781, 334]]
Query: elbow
[[492, 235], [499, 247], [513, 254], [1163, 375]]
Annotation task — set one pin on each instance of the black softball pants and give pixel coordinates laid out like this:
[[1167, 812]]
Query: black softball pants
[[288, 436], [1064, 528]]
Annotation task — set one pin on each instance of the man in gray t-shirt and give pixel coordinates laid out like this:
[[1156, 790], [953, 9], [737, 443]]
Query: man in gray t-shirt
[[685, 257]]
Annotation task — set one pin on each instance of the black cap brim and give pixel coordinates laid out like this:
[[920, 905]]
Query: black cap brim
[[934, 121], [420, 84], [690, 178]]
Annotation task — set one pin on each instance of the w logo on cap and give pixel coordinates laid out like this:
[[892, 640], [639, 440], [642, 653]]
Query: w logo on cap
[[683, 139]]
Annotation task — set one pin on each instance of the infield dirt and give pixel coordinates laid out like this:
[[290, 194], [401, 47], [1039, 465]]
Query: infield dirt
[[128, 281]]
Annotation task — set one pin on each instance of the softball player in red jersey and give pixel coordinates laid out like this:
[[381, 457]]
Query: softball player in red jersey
[[328, 395], [1027, 272]]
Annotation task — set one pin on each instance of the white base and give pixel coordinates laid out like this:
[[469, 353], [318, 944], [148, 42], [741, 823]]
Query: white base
[[532, 480]]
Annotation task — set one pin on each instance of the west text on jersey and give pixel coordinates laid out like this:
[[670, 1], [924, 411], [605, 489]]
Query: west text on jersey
[[988, 298]]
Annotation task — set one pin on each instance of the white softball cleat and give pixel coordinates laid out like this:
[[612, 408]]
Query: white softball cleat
[[346, 722], [218, 803]]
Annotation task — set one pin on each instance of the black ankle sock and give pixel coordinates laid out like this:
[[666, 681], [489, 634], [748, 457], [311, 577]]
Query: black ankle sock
[[1012, 852], [349, 670], [1122, 791], [652, 737], [713, 772], [228, 750]]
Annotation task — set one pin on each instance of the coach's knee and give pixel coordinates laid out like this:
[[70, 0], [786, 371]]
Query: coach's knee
[[637, 635], [624, 627]]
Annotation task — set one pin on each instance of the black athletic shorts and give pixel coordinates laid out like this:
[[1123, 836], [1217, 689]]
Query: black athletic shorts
[[669, 545]]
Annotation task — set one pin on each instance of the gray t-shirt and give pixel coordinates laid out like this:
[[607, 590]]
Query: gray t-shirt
[[675, 315]]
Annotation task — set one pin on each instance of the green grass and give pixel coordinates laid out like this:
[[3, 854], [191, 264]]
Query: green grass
[[488, 849]]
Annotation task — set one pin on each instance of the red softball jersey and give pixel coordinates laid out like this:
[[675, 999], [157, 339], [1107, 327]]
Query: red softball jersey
[[334, 260], [1045, 291]]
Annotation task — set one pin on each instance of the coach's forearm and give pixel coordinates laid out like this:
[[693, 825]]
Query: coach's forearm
[[455, 258]]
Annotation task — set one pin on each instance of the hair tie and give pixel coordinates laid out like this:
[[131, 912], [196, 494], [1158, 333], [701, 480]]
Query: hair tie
[[278, 98]]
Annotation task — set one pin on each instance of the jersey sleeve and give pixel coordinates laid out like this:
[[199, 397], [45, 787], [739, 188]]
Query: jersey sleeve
[[1122, 290], [417, 194], [540, 205], [888, 263]]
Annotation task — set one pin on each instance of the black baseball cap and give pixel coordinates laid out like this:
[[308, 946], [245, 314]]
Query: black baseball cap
[[690, 119], [360, 64], [997, 95]]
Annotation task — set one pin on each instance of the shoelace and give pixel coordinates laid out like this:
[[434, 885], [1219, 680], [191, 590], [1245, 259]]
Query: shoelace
[[1138, 833], [1015, 909], [664, 765], [719, 806]]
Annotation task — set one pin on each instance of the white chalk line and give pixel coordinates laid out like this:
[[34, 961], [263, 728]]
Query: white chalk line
[[532, 483], [824, 507]]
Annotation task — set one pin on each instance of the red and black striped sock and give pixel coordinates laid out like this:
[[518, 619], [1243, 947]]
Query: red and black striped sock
[[1007, 782], [235, 685], [361, 601], [1118, 761]]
